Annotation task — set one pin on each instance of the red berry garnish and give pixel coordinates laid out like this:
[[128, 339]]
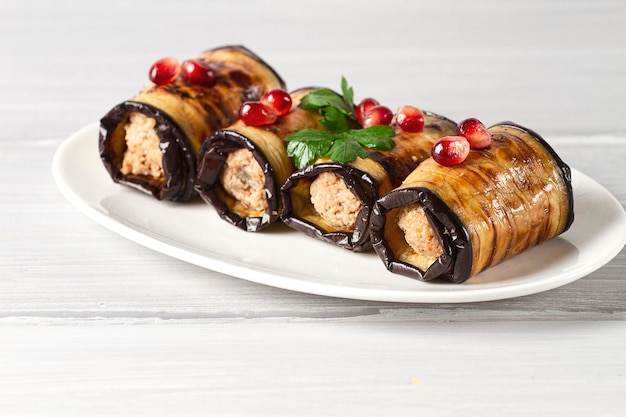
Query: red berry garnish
[[363, 107], [410, 119], [475, 132], [450, 150], [255, 113], [198, 73], [377, 115], [164, 71], [279, 100]]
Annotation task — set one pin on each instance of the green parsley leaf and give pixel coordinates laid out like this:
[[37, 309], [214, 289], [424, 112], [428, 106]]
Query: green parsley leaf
[[346, 150], [343, 139], [348, 93], [375, 137], [335, 120], [337, 111], [306, 145], [323, 97]]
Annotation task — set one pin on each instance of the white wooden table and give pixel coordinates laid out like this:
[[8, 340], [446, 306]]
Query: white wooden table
[[92, 324]]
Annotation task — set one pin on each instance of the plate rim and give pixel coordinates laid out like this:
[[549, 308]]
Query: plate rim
[[249, 273]]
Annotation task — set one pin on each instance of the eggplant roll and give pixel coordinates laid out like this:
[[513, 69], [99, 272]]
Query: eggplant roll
[[150, 142], [453, 222], [332, 201], [241, 168]]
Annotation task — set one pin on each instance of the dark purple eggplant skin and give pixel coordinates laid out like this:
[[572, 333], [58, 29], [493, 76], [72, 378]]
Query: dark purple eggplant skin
[[362, 184], [566, 171], [359, 182], [396, 166], [212, 156], [456, 263], [178, 150], [179, 165], [215, 150]]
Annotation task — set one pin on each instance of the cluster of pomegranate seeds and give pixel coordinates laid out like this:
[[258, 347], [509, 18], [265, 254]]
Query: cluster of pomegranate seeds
[[363, 107], [273, 104], [166, 71], [452, 150], [369, 112]]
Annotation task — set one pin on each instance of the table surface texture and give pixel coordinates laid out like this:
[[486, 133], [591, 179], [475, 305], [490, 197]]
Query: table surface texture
[[92, 324]]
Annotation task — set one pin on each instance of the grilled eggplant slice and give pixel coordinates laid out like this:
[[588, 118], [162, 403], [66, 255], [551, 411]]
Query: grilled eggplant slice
[[451, 223], [332, 201], [241, 168], [150, 142]]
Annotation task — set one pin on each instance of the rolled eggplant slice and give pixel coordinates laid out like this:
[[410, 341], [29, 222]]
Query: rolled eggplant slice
[[241, 168], [451, 223], [332, 201], [150, 142]]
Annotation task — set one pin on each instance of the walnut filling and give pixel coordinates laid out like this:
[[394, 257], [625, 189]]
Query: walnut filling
[[334, 202], [243, 178], [424, 247], [143, 154]]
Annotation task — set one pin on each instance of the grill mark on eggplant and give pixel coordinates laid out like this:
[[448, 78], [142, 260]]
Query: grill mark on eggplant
[[258, 140], [210, 109], [174, 144], [548, 210], [397, 164], [360, 183], [566, 171]]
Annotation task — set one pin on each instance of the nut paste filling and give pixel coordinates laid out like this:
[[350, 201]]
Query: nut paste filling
[[143, 154], [243, 179], [423, 245], [150, 142], [497, 202], [334, 202]]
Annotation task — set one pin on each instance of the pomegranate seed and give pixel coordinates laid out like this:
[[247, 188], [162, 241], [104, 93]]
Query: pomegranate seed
[[410, 119], [198, 73], [475, 132], [255, 113], [164, 71], [279, 100], [364, 106], [377, 115], [450, 150]]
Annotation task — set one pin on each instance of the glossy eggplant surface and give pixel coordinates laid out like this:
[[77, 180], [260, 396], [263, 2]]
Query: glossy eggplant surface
[[241, 168], [361, 183], [450, 223], [151, 141]]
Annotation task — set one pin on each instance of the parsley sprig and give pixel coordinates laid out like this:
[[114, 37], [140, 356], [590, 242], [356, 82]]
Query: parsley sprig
[[342, 140]]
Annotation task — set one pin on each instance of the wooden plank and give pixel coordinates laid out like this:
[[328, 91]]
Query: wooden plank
[[290, 367]]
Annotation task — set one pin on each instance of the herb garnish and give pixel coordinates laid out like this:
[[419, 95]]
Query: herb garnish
[[343, 140]]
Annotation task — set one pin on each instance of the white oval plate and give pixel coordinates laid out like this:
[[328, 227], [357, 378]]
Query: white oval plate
[[284, 258]]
